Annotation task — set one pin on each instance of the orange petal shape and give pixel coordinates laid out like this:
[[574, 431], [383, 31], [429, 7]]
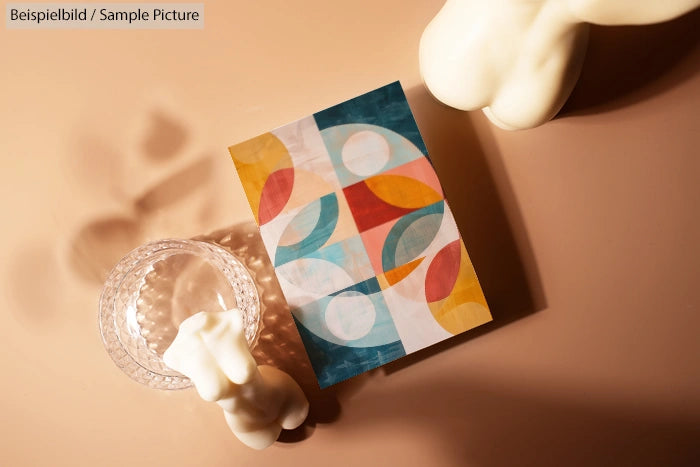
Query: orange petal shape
[[401, 191], [397, 274]]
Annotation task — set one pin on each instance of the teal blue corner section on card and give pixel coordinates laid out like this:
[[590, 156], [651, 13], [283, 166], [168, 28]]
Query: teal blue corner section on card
[[333, 363], [385, 107]]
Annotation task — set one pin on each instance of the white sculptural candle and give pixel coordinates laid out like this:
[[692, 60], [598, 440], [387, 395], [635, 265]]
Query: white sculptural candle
[[258, 401], [519, 60]]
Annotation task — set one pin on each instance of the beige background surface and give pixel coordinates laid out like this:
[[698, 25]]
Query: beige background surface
[[584, 233]]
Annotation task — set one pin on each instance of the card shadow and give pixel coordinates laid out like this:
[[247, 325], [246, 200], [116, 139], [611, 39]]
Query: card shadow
[[504, 264]]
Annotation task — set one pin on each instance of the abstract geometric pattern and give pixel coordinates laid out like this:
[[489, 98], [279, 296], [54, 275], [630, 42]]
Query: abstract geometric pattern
[[364, 244]]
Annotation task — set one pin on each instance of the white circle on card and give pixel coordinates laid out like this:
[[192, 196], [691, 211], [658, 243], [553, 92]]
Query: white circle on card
[[350, 315], [365, 153]]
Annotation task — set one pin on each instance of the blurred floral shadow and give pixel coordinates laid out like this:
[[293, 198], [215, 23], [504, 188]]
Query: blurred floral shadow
[[99, 244], [165, 138]]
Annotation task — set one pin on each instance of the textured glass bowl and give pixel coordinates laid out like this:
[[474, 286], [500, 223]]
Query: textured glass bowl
[[158, 285]]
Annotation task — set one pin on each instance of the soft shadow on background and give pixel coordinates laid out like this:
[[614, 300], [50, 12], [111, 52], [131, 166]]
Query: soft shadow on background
[[97, 244], [487, 425], [628, 64]]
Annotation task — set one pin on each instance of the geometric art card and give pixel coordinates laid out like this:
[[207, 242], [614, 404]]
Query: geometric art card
[[364, 245]]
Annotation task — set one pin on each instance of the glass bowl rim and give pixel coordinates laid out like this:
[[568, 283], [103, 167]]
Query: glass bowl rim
[[106, 316]]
